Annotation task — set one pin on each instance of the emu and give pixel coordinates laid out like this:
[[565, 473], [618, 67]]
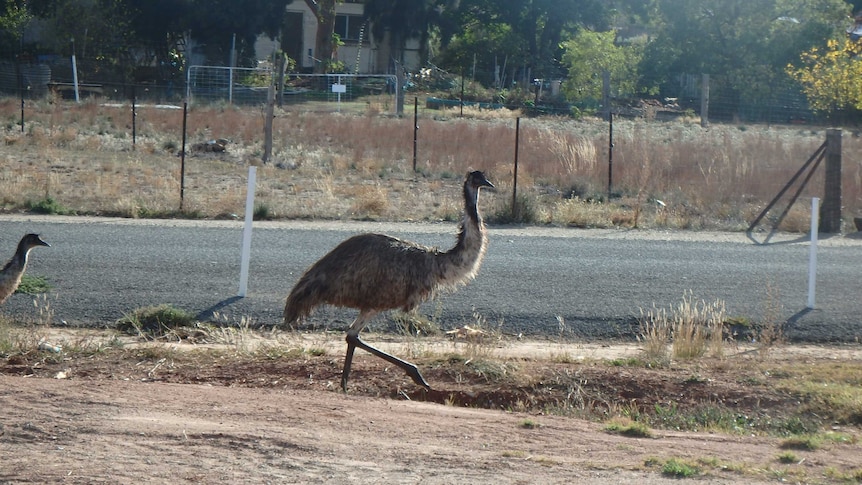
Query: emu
[[376, 272], [10, 275]]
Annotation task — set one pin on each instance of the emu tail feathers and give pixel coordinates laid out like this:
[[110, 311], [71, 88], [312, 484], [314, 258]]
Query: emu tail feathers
[[300, 303]]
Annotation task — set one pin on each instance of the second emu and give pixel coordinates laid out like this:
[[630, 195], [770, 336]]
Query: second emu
[[11, 274], [376, 272]]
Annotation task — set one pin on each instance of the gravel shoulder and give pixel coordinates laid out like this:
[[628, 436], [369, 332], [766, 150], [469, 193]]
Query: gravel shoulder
[[137, 420]]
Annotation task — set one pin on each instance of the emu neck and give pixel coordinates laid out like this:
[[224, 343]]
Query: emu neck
[[19, 261], [461, 263]]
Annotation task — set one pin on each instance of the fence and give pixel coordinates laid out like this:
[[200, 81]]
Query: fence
[[782, 103], [696, 173], [309, 92], [337, 92]]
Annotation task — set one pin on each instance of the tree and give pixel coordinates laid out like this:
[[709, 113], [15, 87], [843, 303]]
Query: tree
[[326, 41], [160, 27], [401, 20], [213, 23], [830, 75], [15, 18], [743, 44], [535, 29], [99, 30], [487, 53], [588, 54]]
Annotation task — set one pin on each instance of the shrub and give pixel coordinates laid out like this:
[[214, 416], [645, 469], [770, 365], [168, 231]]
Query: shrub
[[155, 320], [46, 206]]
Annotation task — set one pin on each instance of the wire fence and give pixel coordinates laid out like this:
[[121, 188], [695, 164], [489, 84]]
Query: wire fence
[[310, 92], [661, 160], [112, 90], [35, 78]]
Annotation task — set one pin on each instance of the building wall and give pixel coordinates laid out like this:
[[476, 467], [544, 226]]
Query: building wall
[[364, 58]]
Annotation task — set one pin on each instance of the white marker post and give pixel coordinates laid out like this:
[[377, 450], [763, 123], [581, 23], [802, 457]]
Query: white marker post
[[339, 88], [246, 232], [75, 74], [812, 252]]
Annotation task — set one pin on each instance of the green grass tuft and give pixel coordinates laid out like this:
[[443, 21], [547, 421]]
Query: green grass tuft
[[155, 321], [627, 427], [48, 205], [679, 469], [33, 285], [788, 457], [530, 424]]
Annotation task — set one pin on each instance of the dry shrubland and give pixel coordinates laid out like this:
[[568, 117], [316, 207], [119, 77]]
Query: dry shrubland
[[80, 158]]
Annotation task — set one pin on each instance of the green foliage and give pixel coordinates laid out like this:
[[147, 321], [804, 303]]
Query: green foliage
[[588, 54], [33, 285], [500, 38], [743, 45], [830, 75], [803, 443], [261, 212], [788, 457], [627, 427], [530, 424], [155, 320], [46, 206], [524, 211], [679, 469], [495, 41], [15, 19]]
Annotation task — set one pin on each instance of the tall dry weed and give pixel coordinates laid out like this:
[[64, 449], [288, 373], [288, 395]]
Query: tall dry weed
[[691, 329], [654, 336], [576, 155], [698, 328], [370, 200], [770, 332]]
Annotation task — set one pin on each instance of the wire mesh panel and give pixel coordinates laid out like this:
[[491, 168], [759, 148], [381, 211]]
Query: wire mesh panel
[[306, 92], [339, 92], [235, 85]]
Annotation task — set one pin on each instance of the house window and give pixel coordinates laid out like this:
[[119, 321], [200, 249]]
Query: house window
[[348, 26]]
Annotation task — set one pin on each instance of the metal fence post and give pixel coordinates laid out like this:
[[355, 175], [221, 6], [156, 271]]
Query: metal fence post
[[610, 155], [183, 157]]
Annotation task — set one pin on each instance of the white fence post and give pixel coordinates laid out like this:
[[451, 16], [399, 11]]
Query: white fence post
[[812, 251], [246, 232]]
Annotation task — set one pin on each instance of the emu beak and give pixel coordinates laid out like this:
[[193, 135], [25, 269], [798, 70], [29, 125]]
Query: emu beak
[[40, 242], [486, 183]]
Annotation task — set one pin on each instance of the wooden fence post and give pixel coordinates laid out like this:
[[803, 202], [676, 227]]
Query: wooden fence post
[[267, 123], [704, 101], [830, 210]]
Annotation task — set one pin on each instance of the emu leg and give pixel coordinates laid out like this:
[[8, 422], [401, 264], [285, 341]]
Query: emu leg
[[354, 341], [348, 359]]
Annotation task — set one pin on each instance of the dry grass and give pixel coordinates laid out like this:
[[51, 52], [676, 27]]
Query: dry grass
[[691, 330], [337, 166]]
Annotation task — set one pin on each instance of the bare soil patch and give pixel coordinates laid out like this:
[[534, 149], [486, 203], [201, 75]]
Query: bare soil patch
[[159, 414]]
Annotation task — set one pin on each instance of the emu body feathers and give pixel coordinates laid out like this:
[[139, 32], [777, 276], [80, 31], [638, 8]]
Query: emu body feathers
[[376, 272]]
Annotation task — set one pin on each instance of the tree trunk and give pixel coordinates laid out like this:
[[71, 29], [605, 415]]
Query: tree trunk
[[324, 10]]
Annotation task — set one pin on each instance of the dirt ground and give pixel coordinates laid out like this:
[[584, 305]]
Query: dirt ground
[[177, 417]]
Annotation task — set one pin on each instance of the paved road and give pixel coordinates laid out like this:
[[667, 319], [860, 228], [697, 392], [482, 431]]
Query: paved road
[[597, 281]]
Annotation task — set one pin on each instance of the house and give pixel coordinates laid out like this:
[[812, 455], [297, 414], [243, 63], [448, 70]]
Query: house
[[360, 53]]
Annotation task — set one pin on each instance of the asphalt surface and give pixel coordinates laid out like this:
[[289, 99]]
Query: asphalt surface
[[596, 282]]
